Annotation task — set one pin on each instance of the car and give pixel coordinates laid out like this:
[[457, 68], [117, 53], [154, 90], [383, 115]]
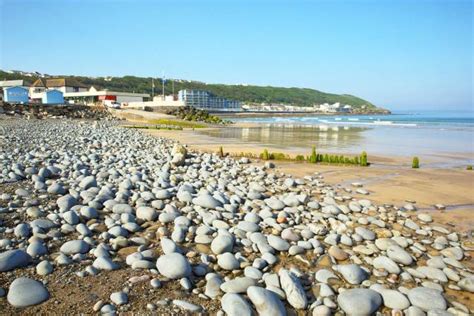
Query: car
[[112, 104]]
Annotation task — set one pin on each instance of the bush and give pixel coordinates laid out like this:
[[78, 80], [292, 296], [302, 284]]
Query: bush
[[469, 167], [363, 159], [313, 158], [221, 151], [299, 158], [279, 156], [415, 163], [265, 155]]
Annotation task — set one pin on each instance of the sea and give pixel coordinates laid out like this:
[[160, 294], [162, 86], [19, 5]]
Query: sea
[[445, 136]]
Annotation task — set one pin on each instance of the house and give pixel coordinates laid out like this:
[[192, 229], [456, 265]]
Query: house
[[52, 97], [13, 83], [64, 85], [15, 94]]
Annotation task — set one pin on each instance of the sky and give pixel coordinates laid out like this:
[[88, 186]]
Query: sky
[[396, 54]]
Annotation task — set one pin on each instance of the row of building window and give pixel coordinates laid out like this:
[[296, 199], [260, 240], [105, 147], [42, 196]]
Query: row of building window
[[205, 100]]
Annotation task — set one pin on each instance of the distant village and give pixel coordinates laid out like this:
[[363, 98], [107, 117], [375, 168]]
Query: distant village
[[65, 91]]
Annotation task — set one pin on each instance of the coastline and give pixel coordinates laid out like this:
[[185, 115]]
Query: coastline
[[257, 114], [389, 179]]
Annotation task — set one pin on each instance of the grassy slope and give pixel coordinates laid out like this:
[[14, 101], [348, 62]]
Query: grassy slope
[[256, 94]]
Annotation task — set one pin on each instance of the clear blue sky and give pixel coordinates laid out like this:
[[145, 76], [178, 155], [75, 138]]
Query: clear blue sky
[[398, 54]]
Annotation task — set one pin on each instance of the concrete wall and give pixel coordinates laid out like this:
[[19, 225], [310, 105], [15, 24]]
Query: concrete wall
[[156, 104], [128, 99]]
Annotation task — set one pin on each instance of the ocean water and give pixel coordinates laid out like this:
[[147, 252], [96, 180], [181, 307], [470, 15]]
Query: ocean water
[[445, 135]]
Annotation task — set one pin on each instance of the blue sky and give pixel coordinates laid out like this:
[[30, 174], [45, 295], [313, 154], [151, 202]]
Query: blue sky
[[397, 54]]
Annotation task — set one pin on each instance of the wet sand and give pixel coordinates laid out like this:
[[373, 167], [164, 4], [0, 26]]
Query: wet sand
[[390, 180]]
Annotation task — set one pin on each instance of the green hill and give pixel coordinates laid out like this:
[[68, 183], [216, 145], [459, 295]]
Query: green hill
[[247, 93]]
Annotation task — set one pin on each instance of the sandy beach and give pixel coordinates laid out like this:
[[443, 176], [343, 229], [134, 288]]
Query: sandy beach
[[388, 179]]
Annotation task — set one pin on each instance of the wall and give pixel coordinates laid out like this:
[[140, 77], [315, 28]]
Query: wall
[[127, 98], [155, 104], [16, 95]]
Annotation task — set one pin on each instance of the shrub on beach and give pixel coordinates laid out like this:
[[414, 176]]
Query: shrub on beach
[[265, 155], [469, 167], [363, 159], [299, 158], [313, 158], [415, 163]]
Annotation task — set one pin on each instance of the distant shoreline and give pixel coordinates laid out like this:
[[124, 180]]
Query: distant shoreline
[[287, 114]]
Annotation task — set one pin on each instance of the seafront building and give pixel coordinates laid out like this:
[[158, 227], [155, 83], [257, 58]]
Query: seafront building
[[205, 100], [52, 97], [64, 85], [15, 94], [61, 91], [70, 91], [13, 83], [96, 96]]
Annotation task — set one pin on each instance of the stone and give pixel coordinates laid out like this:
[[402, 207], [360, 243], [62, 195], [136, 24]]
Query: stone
[[213, 284], [398, 254], [74, 246], [25, 292], [22, 230], [352, 273], [467, 284], [66, 202], [237, 285], [44, 268], [278, 243], [178, 154], [88, 182], [425, 217], [146, 213], [359, 302], [222, 243], [190, 307], [266, 302], [122, 208], [321, 310], [105, 263], [291, 285], [56, 188], [433, 273], [235, 305], [392, 298], [227, 261], [13, 259], [173, 266], [453, 252], [337, 253], [365, 233], [119, 298], [275, 204], [206, 201], [387, 264], [427, 298], [168, 246], [324, 275]]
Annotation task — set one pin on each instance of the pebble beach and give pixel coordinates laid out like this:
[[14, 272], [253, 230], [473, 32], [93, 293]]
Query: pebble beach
[[99, 219]]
